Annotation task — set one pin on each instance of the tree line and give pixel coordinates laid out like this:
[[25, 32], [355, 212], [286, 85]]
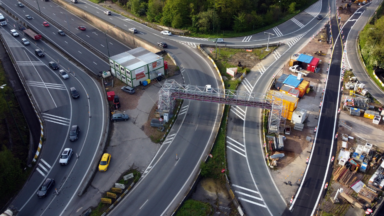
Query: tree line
[[210, 16]]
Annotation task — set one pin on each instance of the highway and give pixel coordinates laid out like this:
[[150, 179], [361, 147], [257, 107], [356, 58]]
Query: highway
[[352, 54], [312, 188], [59, 111], [167, 180]]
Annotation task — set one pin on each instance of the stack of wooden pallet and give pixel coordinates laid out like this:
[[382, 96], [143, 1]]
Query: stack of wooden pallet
[[348, 177], [339, 173]]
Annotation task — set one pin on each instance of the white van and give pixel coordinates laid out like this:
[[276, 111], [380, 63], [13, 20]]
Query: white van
[[108, 13], [74, 1]]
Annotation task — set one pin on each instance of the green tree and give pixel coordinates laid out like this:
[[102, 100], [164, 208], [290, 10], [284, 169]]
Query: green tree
[[292, 8], [240, 23], [208, 21], [155, 9], [11, 175], [135, 7], [177, 21]]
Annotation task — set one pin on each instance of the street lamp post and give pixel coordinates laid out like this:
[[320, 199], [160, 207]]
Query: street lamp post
[[269, 34], [38, 6], [9, 110]]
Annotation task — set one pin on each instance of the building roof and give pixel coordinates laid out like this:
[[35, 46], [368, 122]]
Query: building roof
[[135, 58], [293, 81], [315, 61], [305, 58]]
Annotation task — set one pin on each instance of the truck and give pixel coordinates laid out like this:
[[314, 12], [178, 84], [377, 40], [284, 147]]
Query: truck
[[32, 34], [3, 21], [297, 69]]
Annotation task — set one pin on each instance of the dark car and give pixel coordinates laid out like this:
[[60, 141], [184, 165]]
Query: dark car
[[39, 53], [74, 133], [162, 44], [319, 17], [20, 4], [53, 65], [28, 17], [128, 89], [116, 102], [45, 187], [119, 117], [82, 28], [60, 32], [75, 94]]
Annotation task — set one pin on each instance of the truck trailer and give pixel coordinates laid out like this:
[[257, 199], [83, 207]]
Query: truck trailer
[[32, 34]]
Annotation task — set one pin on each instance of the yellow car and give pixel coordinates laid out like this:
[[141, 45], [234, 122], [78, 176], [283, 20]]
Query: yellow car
[[104, 163]]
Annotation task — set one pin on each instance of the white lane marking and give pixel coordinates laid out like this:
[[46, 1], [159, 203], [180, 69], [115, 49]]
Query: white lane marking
[[42, 160], [95, 33], [297, 22], [183, 110], [247, 85], [102, 45], [277, 32], [41, 172], [79, 51], [87, 35], [231, 142], [261, 68], [255, 203], [237, 112], [37, 72], [41, 166], [143, 204], [56, 119], [237, 143], [46, 85], [29, 63], [276, 54], [248, 195], [95, 63], [246, 38]]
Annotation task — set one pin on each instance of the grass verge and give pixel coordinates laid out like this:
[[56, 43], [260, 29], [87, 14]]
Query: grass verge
[[194, 208]]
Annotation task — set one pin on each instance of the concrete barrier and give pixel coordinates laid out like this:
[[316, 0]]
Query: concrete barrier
[[119, 34]]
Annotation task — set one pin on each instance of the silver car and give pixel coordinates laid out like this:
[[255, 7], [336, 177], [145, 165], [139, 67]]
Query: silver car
[[63, 74], [14, 33], [66, 156], [25, 41]]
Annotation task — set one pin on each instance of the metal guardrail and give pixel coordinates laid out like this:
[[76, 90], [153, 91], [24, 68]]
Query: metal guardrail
[[69, 33]]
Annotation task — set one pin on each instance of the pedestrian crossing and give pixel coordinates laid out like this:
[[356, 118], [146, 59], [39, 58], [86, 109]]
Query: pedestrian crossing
[[294, 40], [247, 85], [247, 39], [276, 54], [56, 119], [297, 22], [46, 85], [249, 196], [183, 110], [277, 32], [43, 167], [30, 63], [238, 112], [169, 139], [234, 145]]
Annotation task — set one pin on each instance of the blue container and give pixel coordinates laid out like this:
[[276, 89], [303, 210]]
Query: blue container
[[144, 83]]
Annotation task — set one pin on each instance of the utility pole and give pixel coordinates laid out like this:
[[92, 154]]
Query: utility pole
[[38, 6], [269, 34]]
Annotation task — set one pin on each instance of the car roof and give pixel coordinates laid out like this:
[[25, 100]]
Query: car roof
[[67, 149], [73, 88], [74, 127], [37, 50], [105, 156]]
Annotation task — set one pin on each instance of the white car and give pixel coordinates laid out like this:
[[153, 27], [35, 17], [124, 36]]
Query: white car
[[166, 32], [63, 74], [14, 33], [66, 156], [25, 41]]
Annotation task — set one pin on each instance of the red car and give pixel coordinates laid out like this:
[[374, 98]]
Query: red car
[[82, 28], [46, 24]]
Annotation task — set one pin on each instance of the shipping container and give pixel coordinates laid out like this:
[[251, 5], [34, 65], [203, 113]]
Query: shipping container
[[292, 80], [369, 114], [285, 89], [289, 102], [304, 85], [279, 82], [313, 65], [294, 92]]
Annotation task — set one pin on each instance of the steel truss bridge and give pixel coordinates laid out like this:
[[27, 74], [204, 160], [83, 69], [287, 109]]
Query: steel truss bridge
[[171, 90]]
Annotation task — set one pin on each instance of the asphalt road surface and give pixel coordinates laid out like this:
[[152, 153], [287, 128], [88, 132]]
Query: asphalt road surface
[[59, 112], [319, 170]]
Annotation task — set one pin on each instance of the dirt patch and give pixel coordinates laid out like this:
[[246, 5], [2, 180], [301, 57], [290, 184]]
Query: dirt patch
[[213, 192], [246, 59], [154, 133]]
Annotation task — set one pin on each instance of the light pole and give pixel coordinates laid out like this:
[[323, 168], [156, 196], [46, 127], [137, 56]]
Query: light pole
[[269, 34], [38, 6], [9, 110]]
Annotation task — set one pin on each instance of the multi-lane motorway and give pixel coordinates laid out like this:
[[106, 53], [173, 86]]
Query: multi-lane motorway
[[166, 180]]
